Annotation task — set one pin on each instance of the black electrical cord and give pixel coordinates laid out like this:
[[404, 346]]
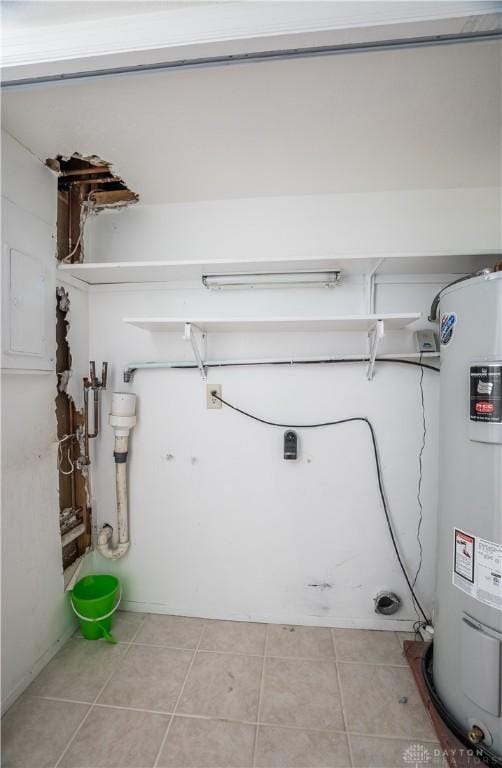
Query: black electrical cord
[[377, 466], [129, 371], [398, 360], [328, 361]]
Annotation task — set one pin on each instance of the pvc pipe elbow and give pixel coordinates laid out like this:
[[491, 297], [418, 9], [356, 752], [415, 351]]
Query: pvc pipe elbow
[[105, 548]]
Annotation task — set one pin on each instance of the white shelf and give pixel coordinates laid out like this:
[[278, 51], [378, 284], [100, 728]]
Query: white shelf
[[408, 355], [444, 263], [393, 322], [171, 271]]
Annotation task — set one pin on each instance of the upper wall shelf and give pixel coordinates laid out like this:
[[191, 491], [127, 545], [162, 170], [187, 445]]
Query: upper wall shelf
[[195, 330], [393, 322], [105, 273]]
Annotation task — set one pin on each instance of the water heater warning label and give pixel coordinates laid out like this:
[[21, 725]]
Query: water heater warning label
[[486, 393], [477, 568]]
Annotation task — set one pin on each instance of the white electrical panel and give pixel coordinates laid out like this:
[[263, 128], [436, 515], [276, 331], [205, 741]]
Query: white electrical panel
[[28, 311]]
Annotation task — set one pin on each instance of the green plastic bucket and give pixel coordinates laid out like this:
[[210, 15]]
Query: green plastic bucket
[[94, 600]]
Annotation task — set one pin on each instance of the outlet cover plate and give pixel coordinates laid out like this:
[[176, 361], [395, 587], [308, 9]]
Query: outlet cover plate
[[212, 402]]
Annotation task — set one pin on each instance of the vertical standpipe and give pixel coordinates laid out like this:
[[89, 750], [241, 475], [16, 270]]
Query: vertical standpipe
[[122, 419]]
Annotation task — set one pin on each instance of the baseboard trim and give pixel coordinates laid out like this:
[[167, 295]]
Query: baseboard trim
[[393, 625]]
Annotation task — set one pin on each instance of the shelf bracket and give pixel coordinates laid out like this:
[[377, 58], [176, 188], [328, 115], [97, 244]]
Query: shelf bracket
[[199, 354], [375, 336], [370, 285]]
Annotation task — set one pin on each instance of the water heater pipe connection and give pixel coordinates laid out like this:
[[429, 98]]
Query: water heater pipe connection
[[122, 419], [92, 382]]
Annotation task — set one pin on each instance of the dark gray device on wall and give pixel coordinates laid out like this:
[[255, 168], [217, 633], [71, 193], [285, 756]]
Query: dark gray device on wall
[[290, 444]]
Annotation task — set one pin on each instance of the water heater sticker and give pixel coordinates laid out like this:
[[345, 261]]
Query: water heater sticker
[[486, 393], [464, 555], [447, 327], [477, 568]]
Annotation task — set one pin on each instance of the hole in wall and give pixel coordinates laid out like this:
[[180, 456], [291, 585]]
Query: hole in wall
[[86, 185], [74, 510]]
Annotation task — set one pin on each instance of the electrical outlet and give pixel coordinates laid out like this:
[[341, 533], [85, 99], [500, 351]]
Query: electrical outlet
[[213, 402]]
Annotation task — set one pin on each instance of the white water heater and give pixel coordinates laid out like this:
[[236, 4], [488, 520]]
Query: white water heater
[[467, 651]]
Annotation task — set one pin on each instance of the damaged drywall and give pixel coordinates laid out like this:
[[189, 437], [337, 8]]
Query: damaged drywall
[[74, 504], [86, 186]]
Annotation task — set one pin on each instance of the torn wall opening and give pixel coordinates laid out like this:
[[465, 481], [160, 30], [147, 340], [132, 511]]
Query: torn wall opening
[[86, 185], [74, 509]]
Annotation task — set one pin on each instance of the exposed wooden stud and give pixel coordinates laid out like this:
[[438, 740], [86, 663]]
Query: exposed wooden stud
[[114, 196], [91, 171], [99, 180], [78, 177]]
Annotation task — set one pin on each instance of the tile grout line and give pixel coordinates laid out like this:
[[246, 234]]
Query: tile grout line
[[343, 733], [166, 734], [373, 664], [342, 704], [91, 705], [99, 705], [260, 696], [388, 737], [268, 656], [262, 723]]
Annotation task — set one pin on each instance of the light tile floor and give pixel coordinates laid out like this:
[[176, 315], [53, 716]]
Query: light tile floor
[[189, 693]]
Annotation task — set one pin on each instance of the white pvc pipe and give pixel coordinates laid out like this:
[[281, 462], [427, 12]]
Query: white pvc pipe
[[121, 490], [122, 419]]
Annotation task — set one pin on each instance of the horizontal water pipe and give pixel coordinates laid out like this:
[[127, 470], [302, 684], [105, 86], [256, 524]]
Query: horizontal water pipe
[[180, 364]]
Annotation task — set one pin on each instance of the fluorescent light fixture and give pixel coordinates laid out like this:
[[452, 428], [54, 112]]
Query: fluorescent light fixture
[[326, 279]]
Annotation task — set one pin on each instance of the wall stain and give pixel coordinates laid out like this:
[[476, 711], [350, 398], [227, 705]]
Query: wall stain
[[322, 586]]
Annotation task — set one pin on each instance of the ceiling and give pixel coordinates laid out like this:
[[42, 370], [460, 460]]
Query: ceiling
[[44, 13], [397, 119]]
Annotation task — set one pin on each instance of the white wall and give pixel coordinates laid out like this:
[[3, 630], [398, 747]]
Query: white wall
[[221, 525], [35, 613], [226, 528], [302, 226]]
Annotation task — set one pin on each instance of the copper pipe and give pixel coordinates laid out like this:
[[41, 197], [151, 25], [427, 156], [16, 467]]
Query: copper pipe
[[95, 384], [95, 431], [86, 420]]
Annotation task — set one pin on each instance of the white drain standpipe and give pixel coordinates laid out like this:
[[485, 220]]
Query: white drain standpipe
[[122, 419]]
